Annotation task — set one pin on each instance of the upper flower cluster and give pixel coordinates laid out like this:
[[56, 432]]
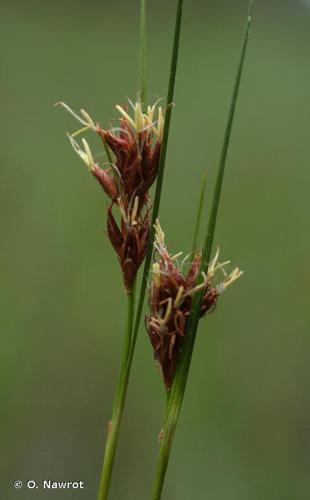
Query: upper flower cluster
[[136, 145], [171, 295]]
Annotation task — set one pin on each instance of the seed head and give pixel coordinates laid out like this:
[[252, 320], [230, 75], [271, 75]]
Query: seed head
[[136, 146], [170, 298]]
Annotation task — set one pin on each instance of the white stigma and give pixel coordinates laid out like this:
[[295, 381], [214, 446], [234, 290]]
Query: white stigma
[[85, 119], [85, 155], [144, 122]]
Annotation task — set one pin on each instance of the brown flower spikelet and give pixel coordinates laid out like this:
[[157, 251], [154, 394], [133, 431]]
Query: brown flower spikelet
[[136, 145], [170, 299]]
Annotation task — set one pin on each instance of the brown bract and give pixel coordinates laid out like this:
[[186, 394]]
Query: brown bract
[[170, 300], [106, 181]]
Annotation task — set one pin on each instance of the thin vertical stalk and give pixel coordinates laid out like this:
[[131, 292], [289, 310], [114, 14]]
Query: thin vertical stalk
[[199, 212], [179, 384], [118, 406], [196, 235], [142, 55], [162, 161]]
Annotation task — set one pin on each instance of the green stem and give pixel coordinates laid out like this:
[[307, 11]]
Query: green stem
[[161, 168], [179, 384], [118, 406], [199, 212], [143, 53]]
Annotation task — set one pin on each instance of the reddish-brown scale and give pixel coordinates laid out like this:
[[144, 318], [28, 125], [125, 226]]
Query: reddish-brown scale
[[106, 181]]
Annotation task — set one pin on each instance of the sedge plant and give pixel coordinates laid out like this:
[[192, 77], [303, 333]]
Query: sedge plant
[[179, 294], [136, 154]]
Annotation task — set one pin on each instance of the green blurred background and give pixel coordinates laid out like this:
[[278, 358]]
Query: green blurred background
[[244, 432]]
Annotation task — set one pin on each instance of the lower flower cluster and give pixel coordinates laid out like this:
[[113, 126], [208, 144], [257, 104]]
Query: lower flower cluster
[[170, 298]]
